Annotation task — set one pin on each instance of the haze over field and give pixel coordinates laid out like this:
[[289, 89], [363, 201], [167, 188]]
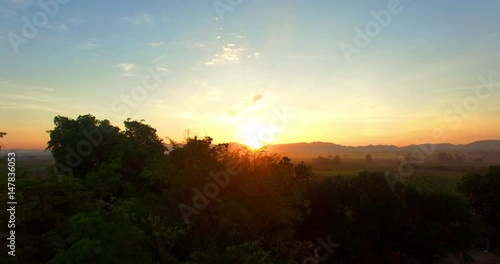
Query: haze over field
[[353, 73]]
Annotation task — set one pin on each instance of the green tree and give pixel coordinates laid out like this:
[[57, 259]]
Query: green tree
[[109, 234], [81, 145]]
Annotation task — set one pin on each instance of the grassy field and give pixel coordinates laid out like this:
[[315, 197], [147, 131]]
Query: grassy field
[[430, 175]]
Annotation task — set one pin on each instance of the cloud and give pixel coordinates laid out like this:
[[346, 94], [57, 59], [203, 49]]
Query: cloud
[[250, 104], [155, 44], [27, 97], [28, 106], [141, 19], [127, 68], [161, 64], [230, 55], [18, 86], [254, 99], [59, 27], [256, 55], [88, 45]]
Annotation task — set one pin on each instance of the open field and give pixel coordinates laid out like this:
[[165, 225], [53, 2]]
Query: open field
[[430, 175]]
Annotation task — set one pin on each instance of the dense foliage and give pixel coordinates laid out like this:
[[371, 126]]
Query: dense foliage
[[120, 196]]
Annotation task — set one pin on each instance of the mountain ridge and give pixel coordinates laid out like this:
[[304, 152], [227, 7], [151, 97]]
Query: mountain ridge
[[318, 147]]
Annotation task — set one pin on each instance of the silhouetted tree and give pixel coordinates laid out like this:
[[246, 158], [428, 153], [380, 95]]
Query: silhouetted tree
[[1, 136], [337, 159], [483, 192], [431, 232], [445, 157], [81, 145]]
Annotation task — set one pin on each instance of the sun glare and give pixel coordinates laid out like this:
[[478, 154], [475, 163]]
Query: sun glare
[[254, 145], [249, 134]]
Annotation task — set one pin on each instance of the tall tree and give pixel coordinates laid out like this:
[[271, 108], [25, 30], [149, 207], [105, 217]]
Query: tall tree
[[81, 145]]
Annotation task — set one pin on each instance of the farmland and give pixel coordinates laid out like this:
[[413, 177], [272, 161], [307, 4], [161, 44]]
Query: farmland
[[430, 175]]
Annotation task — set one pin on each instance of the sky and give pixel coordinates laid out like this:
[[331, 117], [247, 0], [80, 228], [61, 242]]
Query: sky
[[256, 72]]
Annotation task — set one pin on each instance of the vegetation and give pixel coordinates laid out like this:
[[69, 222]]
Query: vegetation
[[120, 196], [1, 136]]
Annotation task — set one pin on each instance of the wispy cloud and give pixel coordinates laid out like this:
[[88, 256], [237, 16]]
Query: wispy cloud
[[162, 64], [88, 45], [141, 19], [58, 27], [190, 44], [127, 68], [29, 106], [36, 97], [230, 55], [254, 99], [255, 55], [155, 43], [27, 97], [18, 86], [249, 104]]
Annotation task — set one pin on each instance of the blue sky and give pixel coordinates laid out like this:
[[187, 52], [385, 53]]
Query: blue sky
[[226, 77]]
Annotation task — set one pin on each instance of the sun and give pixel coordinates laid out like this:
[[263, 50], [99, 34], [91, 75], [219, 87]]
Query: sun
[[249, 134], [254, 145]]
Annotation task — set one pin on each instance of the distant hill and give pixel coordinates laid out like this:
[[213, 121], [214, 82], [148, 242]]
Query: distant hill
[[326, 147]]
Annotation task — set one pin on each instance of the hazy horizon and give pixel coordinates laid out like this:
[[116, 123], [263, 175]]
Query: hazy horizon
[[310, 142]]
